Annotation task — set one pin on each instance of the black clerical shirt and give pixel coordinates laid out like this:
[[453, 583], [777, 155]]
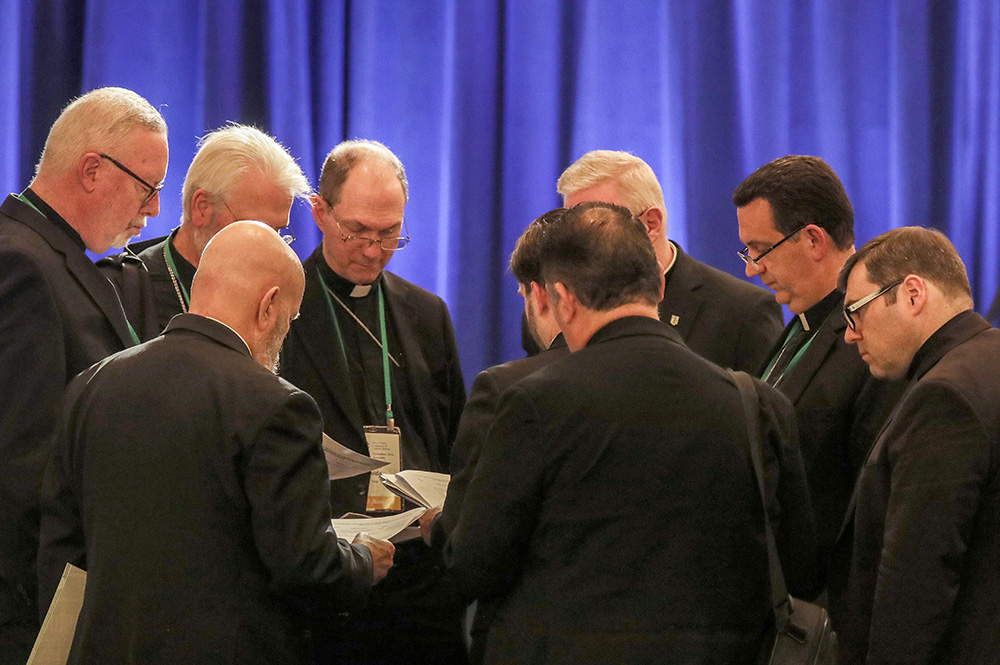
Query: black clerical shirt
[[364, 362]]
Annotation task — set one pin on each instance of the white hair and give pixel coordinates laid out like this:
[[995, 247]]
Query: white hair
[[638, 188]]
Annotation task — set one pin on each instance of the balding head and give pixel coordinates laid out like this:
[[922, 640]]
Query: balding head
[[252, 281]]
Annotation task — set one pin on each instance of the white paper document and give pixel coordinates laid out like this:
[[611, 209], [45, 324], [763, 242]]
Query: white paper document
[[424, 488], [342, 462], [56, 636], [376, 527]]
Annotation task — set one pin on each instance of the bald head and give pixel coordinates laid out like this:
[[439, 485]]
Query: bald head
[[252, 281]]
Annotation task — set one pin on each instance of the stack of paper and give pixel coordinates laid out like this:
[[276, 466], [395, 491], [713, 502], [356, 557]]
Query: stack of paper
[[342, 462], [424, 488]]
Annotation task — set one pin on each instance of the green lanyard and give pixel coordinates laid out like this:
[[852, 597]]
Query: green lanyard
[[385, 340], [131, 331], [798, 354], [168, 256]]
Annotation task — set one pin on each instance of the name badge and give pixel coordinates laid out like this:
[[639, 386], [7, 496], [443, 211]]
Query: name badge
[[383, 445]]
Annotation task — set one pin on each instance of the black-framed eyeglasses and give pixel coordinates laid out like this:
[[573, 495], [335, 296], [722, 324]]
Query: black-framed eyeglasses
[[852, 309], [153, 189], [753, 260], [385, 244], [284, 234]]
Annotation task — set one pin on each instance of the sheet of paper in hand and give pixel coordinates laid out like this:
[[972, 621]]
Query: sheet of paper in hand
[[377, 527], [342, 462], [424, 488]]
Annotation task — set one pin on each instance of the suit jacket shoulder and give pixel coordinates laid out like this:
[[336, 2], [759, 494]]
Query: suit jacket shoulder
[[726, 320]]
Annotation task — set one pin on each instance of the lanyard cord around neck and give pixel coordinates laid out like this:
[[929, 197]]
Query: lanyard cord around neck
[[182, 293], [131, 331], [383, 344]]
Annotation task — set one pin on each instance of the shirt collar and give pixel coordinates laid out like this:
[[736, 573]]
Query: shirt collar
[[813, 317], [344, 287], [54, 217]]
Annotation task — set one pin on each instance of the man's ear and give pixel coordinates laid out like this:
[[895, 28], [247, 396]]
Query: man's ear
[[318, 207], [267, 308], [655, 222], [201, 208], [819, 241], [564, 303], [914, 291], [540, 296], [87, 171]]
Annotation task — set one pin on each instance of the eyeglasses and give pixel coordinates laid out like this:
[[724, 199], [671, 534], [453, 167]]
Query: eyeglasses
[[284, 234], [153, 189], [852, 309], [753, 261], [385, 244]]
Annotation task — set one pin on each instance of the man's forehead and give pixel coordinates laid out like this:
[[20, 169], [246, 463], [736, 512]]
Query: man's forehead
[[858, 285]]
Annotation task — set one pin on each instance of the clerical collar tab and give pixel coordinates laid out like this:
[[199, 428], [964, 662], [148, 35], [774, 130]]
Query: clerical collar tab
[[804, 321], [361, 290]]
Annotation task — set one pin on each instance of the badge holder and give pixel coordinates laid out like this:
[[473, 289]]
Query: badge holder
[[383, 445]]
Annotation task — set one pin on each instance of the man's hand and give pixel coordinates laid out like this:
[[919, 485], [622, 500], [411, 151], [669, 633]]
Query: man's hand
[[426, 521], [382, 551]]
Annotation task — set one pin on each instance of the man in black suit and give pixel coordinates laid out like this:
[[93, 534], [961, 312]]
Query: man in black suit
[[614, 509], [190, 482], [481, 409], [724, 319], [96, 183], [238, 173], [925, 573], [798, 227], [360, 325]]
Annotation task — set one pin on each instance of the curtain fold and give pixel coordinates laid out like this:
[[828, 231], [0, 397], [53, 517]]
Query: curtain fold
[[487, 101]]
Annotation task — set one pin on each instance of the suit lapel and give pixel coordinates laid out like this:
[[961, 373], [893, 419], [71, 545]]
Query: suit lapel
[[78, 265], [681, 302], [403, 315], [316, 333], [794, 382]]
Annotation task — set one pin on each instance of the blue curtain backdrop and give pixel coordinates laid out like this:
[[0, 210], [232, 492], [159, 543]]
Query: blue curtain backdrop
[[486, 101]]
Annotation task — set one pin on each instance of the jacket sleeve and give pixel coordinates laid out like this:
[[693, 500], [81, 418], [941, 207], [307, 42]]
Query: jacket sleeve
[[286, 483]]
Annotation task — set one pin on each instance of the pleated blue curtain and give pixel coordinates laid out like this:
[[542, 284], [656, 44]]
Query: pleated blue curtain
[[486, 102]]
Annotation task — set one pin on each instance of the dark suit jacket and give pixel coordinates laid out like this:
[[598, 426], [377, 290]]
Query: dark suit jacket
[[925, 574], [148, 293], [58, 317], [727, 320], [310, 359], [197, 482], [840, 407], [614, 509]]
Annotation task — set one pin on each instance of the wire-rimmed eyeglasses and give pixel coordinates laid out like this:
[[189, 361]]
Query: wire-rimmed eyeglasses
[[753, 260], [153, 189], [284, 234], [385, 244], [852, 309]]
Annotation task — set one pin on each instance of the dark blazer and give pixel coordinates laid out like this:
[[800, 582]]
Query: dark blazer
[[727, 320], [311, 361], [615, 513], [840, 407], [925, 572], [479, 413], [147, 293], [58, 316], [196, 480]]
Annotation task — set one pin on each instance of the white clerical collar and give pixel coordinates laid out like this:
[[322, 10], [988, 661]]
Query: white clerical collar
[[360, 290], [804, 321], [673, 260]]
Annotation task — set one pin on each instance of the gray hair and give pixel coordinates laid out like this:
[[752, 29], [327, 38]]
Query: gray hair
[[348, 154], [638, 188]]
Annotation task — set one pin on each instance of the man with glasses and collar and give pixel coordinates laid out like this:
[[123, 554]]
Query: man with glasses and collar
[[797, 225], [924, 584], [378, 354], [96, 183], [239, 173], [724, 319]]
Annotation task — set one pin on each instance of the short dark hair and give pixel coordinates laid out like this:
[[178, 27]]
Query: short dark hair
[[525, 260], [348, 154], [801, 189], [602, 255], [911, 250]]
